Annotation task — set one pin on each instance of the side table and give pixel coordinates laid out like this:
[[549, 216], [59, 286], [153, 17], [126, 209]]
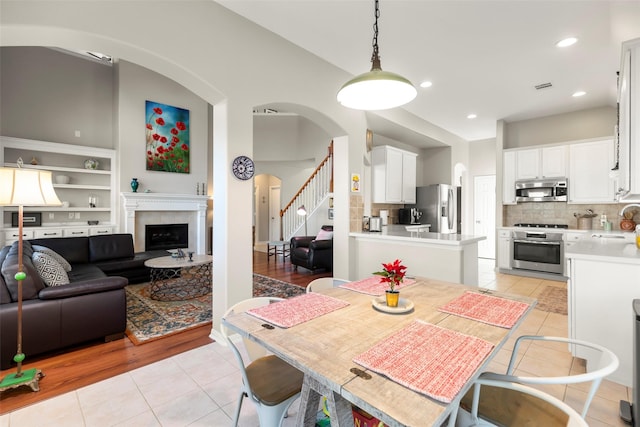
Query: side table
[[278, 247]]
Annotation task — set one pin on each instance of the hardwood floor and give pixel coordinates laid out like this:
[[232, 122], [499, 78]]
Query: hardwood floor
[[93, 362]]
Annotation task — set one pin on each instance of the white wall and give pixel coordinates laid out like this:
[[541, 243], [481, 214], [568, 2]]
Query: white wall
[[577, 125], [48, 95], [135, 86]]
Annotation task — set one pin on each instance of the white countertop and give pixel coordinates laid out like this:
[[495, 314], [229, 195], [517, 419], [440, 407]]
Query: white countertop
[[399, 233], [616, 250]]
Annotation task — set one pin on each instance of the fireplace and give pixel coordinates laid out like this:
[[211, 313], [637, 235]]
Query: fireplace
[[166, 236], [162, 208]]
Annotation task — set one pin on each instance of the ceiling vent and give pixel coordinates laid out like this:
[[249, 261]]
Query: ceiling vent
[[542, 86]]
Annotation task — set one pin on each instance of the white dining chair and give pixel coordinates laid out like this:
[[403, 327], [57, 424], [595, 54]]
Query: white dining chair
[[268, 381], [324, 283], [504, 403], [607, 363]]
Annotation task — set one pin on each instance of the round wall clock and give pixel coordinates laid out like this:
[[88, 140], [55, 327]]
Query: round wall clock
[[243, 167]]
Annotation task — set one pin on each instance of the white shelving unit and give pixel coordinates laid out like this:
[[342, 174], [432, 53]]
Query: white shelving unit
[[65, 159]]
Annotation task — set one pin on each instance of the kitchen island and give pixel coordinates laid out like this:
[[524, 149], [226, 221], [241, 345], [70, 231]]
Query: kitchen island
[[447, 257], [603, 282]]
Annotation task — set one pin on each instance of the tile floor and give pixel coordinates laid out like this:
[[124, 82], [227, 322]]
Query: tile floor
[[199, 387]]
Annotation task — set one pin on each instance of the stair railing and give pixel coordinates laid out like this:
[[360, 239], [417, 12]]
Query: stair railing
[[315, 189]]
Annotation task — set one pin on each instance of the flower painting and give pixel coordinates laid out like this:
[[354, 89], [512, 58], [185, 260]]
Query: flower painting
[[167, 135]]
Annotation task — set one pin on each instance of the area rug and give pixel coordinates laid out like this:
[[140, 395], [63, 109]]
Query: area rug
[[552, 299], [149, 320]]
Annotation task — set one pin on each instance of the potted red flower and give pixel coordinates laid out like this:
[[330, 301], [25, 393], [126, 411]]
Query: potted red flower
[[392, 273]]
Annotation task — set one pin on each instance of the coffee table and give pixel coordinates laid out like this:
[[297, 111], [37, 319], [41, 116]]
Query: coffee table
[[179, 279]]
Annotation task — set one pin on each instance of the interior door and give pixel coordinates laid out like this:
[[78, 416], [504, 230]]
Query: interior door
[[484, 214], [274, 213]]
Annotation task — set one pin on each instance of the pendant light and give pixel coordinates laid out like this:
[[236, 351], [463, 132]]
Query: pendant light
[[377, 89]]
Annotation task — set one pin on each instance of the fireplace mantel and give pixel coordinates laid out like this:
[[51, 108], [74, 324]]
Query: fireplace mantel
[[154, 202]]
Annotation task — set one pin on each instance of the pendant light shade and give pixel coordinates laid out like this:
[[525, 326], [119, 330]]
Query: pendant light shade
[[377, 89]]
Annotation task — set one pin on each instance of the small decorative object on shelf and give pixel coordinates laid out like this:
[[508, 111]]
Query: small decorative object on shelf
[[392, 273], [34, 161], [197, 189], [93, 222], [204, 192], [93, 200], [91, 164], [190, 256], [134, 185]]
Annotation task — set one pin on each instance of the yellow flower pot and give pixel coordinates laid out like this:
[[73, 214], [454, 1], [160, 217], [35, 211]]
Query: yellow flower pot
[[392, 298]]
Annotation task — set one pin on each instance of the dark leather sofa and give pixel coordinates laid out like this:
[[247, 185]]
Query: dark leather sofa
[[312, 254], [92, 306]]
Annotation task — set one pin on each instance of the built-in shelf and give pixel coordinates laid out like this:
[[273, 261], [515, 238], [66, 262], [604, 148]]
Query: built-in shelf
[[82, 183]]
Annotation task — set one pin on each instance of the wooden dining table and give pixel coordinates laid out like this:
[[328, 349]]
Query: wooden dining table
[[324, 348]]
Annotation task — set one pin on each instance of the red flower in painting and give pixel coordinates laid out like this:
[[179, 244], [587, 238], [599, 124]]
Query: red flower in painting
[[181, 125], [160, 149], [149, 126], [185, 147], [157, 110], [175, 140], [160, 121], [392, 273], [163, 139], [174, 131], [179, 160], [156, 136], [149, 152], [159, 162]]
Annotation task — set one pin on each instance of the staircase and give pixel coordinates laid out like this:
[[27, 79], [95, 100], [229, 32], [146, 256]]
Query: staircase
[[311, 195]]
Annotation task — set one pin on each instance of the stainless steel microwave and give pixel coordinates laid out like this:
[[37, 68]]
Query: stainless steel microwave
[[541, 190]]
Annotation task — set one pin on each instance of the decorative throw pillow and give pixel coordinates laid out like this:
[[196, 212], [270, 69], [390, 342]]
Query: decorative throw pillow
[[324, 235], [51, 272], [53, 254]]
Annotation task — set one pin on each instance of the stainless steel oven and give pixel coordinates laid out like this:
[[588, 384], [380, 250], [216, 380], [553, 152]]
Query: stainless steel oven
[[538, 251]]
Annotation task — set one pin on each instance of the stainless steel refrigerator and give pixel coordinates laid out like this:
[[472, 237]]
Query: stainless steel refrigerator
[[440, 205]]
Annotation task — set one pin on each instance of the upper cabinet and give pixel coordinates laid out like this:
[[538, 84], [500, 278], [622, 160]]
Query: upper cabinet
[[546, 162], [629, 122], [590, 165], [509, 178], [393, 175]]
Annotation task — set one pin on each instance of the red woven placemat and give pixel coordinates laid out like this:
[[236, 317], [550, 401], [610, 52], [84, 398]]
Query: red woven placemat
[[373, 285], [488, 309], [296, 310], [428, 359]]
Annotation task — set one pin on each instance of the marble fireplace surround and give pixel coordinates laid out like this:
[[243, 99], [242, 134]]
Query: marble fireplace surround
[[165, 208]]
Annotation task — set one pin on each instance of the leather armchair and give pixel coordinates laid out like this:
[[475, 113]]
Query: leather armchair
[[312, 254]]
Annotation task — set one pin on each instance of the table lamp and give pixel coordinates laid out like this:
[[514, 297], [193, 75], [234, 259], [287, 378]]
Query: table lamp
[[24, 187], [303, 212]]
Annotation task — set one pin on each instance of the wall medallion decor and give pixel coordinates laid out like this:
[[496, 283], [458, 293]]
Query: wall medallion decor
[[243, 167], [167, 135]]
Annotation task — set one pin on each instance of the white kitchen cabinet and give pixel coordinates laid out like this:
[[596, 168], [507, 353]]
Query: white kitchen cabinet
[[393, 173], [504, 249], [629, 122], [509, 178], [590, 165], [600, 309], [545, 162]]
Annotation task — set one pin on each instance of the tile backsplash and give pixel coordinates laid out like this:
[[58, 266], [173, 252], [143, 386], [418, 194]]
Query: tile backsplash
[[562, 213]]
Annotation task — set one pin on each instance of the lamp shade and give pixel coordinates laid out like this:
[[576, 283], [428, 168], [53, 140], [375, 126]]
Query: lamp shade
[[376, 90], [26, 187], [302, 211]]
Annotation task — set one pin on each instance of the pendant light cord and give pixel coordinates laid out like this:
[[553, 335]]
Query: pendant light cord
[[375, 58]]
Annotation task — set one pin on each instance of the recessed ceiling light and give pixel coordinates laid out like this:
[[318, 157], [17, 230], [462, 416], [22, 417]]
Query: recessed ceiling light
[[472, 116], [567, 42], [426, 83], [579, 93]]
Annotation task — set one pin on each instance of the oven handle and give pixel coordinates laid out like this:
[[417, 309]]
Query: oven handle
[[536, 242]]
